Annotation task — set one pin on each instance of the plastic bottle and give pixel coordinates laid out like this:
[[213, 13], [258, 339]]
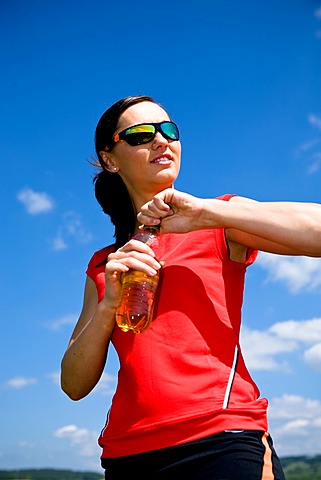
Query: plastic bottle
[[136, 304]]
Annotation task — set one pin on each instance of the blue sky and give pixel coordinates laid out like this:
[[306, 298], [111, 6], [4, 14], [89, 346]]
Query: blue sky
[[242, 80]]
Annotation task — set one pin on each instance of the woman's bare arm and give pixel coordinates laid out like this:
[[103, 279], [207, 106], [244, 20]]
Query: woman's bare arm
[[289, 228], [85, 357]]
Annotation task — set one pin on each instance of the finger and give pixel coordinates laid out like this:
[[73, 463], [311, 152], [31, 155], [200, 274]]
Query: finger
[[134, 264], [166, 195], [132, 246], [143, 263], [156, 208], [115, 268], [146, 219], [160, 205]]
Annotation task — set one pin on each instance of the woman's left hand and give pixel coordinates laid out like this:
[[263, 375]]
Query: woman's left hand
[[175, 211]]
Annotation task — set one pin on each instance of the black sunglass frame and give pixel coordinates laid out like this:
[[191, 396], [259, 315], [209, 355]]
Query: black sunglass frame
[[123, 135]]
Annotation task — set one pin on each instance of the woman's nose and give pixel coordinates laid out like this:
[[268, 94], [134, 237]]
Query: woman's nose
[[159, 140]]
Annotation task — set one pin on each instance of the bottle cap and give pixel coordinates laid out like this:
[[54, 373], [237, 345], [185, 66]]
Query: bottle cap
[[153, 229]]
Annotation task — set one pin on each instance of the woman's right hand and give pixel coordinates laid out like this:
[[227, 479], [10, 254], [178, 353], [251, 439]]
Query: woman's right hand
[[85, 358], [134, 255]]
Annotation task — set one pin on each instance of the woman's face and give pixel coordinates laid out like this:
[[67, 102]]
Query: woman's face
[[149, 168]]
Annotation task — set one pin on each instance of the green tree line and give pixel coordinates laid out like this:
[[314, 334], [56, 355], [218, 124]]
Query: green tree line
[[48, 474], [295, 468], [302, 468]]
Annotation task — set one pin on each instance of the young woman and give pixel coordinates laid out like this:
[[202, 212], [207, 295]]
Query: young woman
[[185, 406]]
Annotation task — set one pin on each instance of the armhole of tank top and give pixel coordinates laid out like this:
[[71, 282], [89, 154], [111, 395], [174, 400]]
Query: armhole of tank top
[[221, 243]]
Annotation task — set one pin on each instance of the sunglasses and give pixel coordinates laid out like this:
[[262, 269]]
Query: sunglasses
[[145, 132]]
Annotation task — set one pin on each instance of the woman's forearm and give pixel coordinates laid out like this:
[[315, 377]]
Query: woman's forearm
[[264, 225], [85, 358], [277, 227]]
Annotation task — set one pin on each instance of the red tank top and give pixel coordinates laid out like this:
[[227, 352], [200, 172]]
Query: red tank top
[[184, 378]]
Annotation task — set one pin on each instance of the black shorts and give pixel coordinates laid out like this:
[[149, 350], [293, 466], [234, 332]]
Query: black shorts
[[242, 455]]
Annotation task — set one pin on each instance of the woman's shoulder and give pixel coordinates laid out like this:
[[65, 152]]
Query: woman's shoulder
[[99, 258]]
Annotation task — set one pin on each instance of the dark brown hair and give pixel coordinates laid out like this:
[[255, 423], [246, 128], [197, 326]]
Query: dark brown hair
[[110, 190]]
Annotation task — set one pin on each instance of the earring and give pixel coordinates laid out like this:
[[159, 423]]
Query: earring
[[115, 169]]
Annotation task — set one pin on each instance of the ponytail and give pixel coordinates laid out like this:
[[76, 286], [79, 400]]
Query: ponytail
[[112, 195]]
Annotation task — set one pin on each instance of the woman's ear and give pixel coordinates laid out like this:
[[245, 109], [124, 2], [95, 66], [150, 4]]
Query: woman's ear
[[110, 165]]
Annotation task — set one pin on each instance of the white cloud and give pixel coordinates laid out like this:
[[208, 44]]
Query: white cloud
[[317, 422], [289, 407], [293, 416], [60, 323], [295, 428], [306, 146], [20, 382], [26, 445], [106, 385], [315, 120], [59, 243], [308, 331], [261, 347], [83, 440], [317, 13], [312, 357], [309, 150], [298, 273], [314, 166], [35, 202], [71, 230], [74, 228], [266, 350], [54, 377]]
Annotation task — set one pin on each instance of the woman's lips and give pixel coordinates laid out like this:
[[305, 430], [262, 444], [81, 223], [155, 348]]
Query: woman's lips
[[163, 159]]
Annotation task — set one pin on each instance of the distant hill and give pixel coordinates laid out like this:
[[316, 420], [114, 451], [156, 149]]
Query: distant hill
[[48, 474], [302, 468], [295, 468]]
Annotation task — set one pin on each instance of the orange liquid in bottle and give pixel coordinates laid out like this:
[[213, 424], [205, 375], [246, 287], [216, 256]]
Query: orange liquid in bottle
[[135, 310]]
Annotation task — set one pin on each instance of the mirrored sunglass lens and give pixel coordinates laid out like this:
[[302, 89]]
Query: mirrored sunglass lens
[[170, 130], [139, 134], [140, 128]]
